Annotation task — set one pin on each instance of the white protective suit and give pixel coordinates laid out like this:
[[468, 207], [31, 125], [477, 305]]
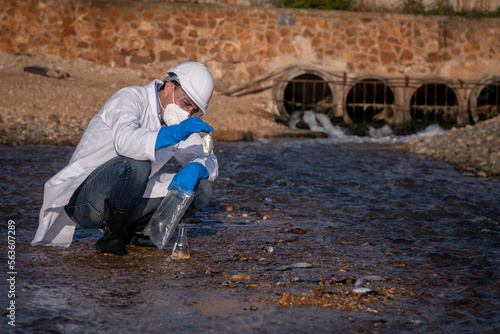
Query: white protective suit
[[126, 125]]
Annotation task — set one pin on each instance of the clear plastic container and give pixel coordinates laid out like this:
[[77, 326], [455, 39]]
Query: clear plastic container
[[168, 214]]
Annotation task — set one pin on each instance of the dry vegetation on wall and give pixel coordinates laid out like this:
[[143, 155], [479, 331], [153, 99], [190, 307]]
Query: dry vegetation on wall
[[413, 7]]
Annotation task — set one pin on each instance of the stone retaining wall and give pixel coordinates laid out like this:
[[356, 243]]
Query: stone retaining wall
[[244, 44]]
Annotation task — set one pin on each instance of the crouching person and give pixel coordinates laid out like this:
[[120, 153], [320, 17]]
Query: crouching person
[[114, 180]]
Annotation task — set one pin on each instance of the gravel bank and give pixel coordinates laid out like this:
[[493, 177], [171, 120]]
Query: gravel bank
[[474, 149]]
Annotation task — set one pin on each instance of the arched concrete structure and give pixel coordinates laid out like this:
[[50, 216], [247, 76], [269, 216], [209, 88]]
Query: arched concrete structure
[[288, 76], [476, 91], [389, 114]]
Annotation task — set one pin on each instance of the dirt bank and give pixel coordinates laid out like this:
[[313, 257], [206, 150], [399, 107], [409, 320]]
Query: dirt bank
[[35, 109]]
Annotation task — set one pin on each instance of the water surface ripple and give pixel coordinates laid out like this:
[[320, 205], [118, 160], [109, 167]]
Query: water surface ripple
[[430, 233]]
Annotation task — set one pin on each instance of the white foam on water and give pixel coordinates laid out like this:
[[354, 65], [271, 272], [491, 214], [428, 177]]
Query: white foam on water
[[384, 135]]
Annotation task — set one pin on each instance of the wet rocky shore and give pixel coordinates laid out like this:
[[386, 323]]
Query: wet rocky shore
[[473, 149]]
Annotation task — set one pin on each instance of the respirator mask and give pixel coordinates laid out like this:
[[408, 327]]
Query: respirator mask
[[173, 114]]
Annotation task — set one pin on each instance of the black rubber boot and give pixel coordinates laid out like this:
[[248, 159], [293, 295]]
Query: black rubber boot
[[137, 227], [116, 223]]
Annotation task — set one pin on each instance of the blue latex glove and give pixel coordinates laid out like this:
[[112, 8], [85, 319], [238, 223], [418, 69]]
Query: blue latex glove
[[171, 135], [187, 178]]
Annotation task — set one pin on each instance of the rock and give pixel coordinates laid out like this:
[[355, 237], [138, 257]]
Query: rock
[[295, 266], [217, 272], [53, 118], [269, 249], [481, 174], [298, 231], [362, 290], [302, 125], [240, 276], [360, 130]]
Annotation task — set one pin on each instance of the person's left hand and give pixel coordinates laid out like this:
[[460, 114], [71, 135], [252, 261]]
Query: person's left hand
[[187, 178]]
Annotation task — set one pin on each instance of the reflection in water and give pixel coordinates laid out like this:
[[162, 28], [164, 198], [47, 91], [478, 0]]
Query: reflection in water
[[350, 210]]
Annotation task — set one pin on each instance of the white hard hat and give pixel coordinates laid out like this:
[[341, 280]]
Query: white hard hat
[[196, 80]]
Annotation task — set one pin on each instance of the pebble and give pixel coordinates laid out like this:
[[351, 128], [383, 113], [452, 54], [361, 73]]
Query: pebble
[[481, 174], [295, 265], [298, 231], [240, 276], [362, 290], [269, 249]]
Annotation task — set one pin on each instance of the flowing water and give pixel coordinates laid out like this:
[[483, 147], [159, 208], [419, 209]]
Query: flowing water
[[292, 227]]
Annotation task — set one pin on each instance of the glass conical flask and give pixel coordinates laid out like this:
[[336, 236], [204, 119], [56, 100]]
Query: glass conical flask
[[181, 247]]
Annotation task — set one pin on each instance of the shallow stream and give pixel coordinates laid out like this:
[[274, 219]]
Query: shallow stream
[[292, 226]]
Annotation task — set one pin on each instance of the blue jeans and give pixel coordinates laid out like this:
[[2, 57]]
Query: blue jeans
[[123, 180]]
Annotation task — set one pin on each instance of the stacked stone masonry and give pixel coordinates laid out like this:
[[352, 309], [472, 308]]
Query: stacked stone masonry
[[243, 44]]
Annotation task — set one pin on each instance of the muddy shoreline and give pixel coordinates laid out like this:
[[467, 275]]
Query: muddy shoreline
[[279, 249]]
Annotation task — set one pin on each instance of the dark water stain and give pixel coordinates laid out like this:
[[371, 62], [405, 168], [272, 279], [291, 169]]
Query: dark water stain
[[428, 234]]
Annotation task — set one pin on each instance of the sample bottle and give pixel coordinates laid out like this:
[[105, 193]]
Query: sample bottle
[[181, 247], [166, 218]]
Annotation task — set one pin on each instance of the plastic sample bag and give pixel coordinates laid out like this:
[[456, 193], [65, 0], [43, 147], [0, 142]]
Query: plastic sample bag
[[208, 144], [169, 213]]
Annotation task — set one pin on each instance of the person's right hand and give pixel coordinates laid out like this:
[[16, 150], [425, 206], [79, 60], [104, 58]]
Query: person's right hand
[[171, 135], [187, 178]]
